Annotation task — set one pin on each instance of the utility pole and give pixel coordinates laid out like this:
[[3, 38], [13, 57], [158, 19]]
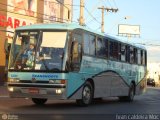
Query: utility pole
[[81, 17], [108, 10]]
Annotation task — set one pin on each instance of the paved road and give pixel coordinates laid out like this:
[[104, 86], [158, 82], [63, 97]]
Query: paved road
[[146, 106]]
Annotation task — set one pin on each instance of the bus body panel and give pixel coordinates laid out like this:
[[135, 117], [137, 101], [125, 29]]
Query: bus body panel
[[104, 81], [111, 78], [75, 82], [37, 81]]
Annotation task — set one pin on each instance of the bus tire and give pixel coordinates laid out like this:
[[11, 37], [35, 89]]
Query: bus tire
[[131, 93], [87, 95], [39, 101], [130, 96]]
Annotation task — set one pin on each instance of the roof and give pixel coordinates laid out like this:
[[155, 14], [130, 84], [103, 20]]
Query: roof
[[70, 26]]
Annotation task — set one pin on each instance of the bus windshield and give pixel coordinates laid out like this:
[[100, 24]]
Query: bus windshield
[[34, 50]]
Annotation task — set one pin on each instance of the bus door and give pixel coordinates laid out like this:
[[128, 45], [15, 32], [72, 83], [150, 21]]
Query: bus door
[[76, 51]]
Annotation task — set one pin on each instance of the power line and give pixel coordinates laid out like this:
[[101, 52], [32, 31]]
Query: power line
[[108, 10], [115, 3], [109, 3], [31, 16], [92, 15], [91, 11], [104, 3]]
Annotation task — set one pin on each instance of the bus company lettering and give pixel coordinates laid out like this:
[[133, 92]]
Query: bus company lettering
[[44, 76], [14, 76]]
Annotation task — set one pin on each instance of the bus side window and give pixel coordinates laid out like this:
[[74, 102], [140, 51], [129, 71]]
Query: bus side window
[[123, 52], [114, 52], [145, 57], [135, 55], [110, 50], [131, 55], [142, 58], [101, 49], [139, 57], [76, 52], [86, 44], [89, 44], [128, 54], [106, 47]]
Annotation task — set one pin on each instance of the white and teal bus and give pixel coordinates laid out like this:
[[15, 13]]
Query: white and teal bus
[[72, 62]]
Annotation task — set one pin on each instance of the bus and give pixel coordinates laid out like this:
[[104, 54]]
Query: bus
[[72, 62]]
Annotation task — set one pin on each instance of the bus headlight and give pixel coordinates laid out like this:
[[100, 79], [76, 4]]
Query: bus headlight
[[10, 89], [58, 91], [13, 80]]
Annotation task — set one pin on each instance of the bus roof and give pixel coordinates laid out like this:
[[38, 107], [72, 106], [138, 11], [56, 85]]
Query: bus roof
[[71, 26], [125, 42], [57, 26]]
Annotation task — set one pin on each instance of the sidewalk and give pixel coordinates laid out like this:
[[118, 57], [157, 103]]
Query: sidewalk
[[3, 91]]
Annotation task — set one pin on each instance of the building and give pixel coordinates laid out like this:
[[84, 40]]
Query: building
[[15, 13]]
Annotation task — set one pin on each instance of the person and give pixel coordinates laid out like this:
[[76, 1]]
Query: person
[[30, 55]]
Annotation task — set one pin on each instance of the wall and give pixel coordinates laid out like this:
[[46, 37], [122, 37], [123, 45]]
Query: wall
[[2, 39]]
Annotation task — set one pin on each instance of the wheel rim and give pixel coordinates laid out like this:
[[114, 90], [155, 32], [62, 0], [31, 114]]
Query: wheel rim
[[86, 94]]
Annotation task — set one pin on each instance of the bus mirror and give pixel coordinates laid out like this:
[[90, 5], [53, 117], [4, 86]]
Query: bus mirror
[[6, 46]]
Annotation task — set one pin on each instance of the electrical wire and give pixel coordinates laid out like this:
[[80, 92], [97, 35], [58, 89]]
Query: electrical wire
[[93, 18], [92, 15], [109, 2], [115, 3], [31, 16], [93, 9]]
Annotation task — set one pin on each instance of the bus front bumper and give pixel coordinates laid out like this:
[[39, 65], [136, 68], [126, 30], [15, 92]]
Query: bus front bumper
[[51, 91]]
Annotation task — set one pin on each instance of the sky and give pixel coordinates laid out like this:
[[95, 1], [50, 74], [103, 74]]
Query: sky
[[144, 13]]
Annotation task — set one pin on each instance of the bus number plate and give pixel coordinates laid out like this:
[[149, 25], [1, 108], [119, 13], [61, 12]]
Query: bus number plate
[[33, 90]]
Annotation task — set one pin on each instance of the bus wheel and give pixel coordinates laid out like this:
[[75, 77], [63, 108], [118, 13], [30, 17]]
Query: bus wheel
[[131, 93], [39, 101], [87, 95]]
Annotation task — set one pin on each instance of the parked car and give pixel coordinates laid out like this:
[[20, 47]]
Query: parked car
[[151, 82]]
